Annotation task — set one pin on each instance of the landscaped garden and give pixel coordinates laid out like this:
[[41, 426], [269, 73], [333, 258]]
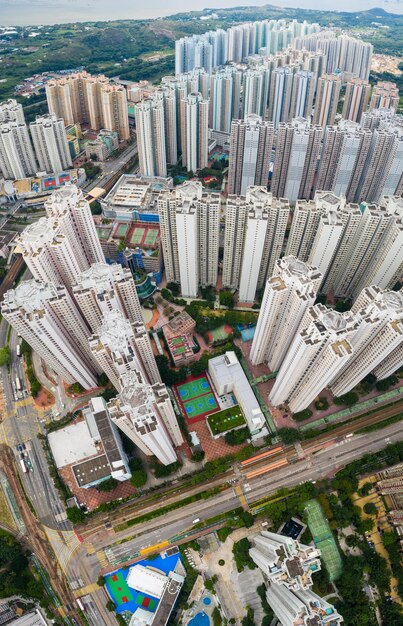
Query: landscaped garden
[[225, 420]]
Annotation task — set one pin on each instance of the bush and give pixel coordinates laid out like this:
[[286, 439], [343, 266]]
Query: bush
[[301, 416], [365, 489], [198, 456], [5, 356], [227, 299], [349, 399], [139, 475], [108, 485], [370, 508], [321, 404], [236, 437], [221, 562], [75, 515], [289, 435], [75, 389], [247, 519], [385, 383], [240, 551], [160, 471]]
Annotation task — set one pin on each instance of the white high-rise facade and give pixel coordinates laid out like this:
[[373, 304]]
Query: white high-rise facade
[[135, 412], [194, 115], [17, 159], [113, 347], [150, 128], [255, 228], [189, 221], [50, 144], [11, 111], [316, 355], [285, 561], [390, 364], [288, 295], [251, 147], [380, 331], [297, 150], [48, 319], [68, 207], [103, 288], [225, 98], [303, 607]]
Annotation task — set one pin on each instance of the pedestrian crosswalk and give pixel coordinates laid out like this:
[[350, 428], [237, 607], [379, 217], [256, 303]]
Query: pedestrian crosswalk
[[64, 544], [103, 561]]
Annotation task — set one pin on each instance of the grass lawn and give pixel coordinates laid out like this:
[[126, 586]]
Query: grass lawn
[[225, 420]]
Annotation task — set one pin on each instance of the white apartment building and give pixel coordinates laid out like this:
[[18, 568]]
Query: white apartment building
[[251, 147], [288, 295], [102, 288], [225, 98], [49, 255], [11, 111], [301, 608], [113, 347], [189, 222], [380, 331], [50, 144], [255, 229], [150, 129], [194, 114], [390, 364], [285, 561], [17, 159], [316, 228], [72, 212], [316, 355], [135, 412], [47, 318], [145, 352], [297, 150]]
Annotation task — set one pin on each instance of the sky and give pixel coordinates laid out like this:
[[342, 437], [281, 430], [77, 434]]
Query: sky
[[32, 12]]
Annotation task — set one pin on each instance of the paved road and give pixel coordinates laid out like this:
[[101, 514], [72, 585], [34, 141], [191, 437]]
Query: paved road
[[112, 167], [169, 526]]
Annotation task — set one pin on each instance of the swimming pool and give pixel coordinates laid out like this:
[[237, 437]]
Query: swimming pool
[[200, 619], [206, 601], [247, 332]]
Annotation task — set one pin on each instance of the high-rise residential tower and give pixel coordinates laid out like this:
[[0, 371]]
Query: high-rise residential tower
[[251, 147], [356, 99], [50, 143], [17, 158], [297, 150], [194, 114], [150, 128], [137, 412], [316, 355], [327, 99], [190, 221], [254, 234], [47, 318], [288, 294], [385, 95]]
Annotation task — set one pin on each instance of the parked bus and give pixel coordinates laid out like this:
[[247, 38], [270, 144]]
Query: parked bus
[[17, 383], [23, 466], [18, 349]]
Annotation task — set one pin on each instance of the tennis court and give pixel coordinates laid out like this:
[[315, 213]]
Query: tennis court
[[121, 230], [137, 236], [104, 233], [199, 406], [323, 538], [195, 388], [151, 236], [219, 334]]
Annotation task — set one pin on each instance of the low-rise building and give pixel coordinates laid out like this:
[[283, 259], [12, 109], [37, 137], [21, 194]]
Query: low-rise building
[[178, 334], [228, 376], [134, 198]]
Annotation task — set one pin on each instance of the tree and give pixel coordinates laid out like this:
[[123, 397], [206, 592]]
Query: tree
[[289, 435], [174, 288], [370, 508], [247, 519], [76, 389], [5, 356], [227, 299], [101, 581], [108, 485], [103, 380], [235, 437], [76, 515], [111, 606], [349, 399], [198, 456]]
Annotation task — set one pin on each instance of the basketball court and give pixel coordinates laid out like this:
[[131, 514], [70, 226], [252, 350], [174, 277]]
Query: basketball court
[[197, 398]]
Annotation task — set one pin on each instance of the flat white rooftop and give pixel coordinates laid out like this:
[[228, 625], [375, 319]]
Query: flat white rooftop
[[72, 444], [147, 580]]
